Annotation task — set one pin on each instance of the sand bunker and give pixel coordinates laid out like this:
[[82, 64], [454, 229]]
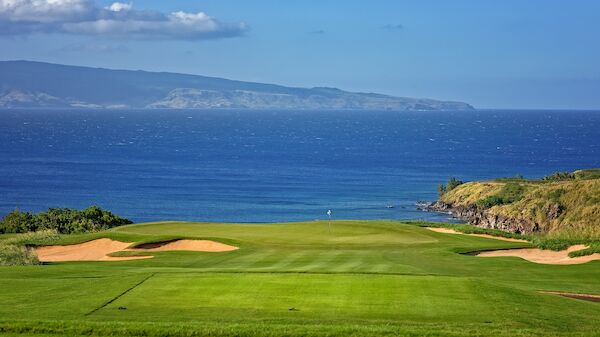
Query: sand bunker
[[544, 256], [190, 245], [96, 250], [585, 297], [99, 250], [452, 231]]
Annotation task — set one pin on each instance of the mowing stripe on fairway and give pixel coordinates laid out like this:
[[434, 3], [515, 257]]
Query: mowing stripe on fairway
[[121, 294]]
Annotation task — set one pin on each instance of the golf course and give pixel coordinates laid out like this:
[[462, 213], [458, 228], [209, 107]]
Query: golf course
[[344, 278]]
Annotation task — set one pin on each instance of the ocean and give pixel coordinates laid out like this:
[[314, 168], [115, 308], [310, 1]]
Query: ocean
[[275, 166]]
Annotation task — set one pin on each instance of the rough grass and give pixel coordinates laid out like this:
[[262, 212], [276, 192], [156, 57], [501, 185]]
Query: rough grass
[[38, 238], [273, 329], [15, 250], [587, 174], [12, 255]]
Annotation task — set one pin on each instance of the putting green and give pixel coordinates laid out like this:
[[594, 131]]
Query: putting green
[[292, 234], [359, 278]]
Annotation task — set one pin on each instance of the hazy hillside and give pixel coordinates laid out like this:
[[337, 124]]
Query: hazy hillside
[[36, 84], [565, 205]]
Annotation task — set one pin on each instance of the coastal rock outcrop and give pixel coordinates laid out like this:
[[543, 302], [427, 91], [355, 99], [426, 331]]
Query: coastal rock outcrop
[[481, 217], [558, 204]]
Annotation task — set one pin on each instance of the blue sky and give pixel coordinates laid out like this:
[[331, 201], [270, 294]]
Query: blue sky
[[492, 54]]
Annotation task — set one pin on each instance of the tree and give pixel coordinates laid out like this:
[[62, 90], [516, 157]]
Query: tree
[[16, 221], [453, 183], [441, 190]]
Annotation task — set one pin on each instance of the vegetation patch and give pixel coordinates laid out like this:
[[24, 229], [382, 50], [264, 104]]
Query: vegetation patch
[[594, 248], [16, 250], [452, 184], [587, 174], [559, 176], [62, 220], [510, 193]]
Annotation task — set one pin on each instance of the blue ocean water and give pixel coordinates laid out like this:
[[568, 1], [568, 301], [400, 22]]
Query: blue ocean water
[[264, 166]]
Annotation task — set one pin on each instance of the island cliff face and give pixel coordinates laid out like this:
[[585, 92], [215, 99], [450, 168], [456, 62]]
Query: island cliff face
[[551, 207], [484, 218], [25, 84]]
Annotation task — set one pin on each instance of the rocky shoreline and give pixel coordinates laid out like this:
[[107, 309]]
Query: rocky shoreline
[[483, 218]]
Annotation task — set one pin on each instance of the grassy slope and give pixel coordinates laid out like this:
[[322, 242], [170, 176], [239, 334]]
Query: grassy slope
[[362, 278], [580, 199]]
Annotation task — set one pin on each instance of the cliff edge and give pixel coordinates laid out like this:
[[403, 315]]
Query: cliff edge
[[563, 204]]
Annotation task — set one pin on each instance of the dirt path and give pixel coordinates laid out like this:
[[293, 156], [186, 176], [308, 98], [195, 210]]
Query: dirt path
[[452, 231]]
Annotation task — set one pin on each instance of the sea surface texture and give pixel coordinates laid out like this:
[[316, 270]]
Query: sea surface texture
[[265, 166]]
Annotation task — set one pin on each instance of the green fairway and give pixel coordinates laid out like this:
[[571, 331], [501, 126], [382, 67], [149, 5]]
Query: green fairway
[[357, 278]]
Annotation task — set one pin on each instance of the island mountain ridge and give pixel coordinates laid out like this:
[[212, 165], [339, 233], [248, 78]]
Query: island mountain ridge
[[28, 84]]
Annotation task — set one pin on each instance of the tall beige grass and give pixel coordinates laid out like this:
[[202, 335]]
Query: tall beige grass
[[17, 250]]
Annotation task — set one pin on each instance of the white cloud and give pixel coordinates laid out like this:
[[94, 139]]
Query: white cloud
[[117, 20], [44, 11], [119, 6]]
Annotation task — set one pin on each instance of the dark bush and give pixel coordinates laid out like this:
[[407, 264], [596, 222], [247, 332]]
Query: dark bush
[[452, 184], [63, 220], [559, 176]]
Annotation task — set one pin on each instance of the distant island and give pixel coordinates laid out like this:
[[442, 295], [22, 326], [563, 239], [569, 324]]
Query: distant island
[[26, 84]]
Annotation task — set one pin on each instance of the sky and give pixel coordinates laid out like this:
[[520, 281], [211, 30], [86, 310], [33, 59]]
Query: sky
[[510, 54]]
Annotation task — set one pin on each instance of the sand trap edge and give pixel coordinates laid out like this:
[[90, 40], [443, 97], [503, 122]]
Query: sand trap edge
[[487, 236], [541, 256], [192, 245], [101, 250]]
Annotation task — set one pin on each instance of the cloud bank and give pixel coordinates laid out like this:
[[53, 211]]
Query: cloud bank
[[83, 17]]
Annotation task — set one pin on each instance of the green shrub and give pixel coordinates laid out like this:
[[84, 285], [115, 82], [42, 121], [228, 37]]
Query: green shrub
[[517, 178], [556, 194], [63, 220], [553, 243], [441, 189], [452, 184], [510, 193], [559, 176], [490, 201], [592, 249]]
